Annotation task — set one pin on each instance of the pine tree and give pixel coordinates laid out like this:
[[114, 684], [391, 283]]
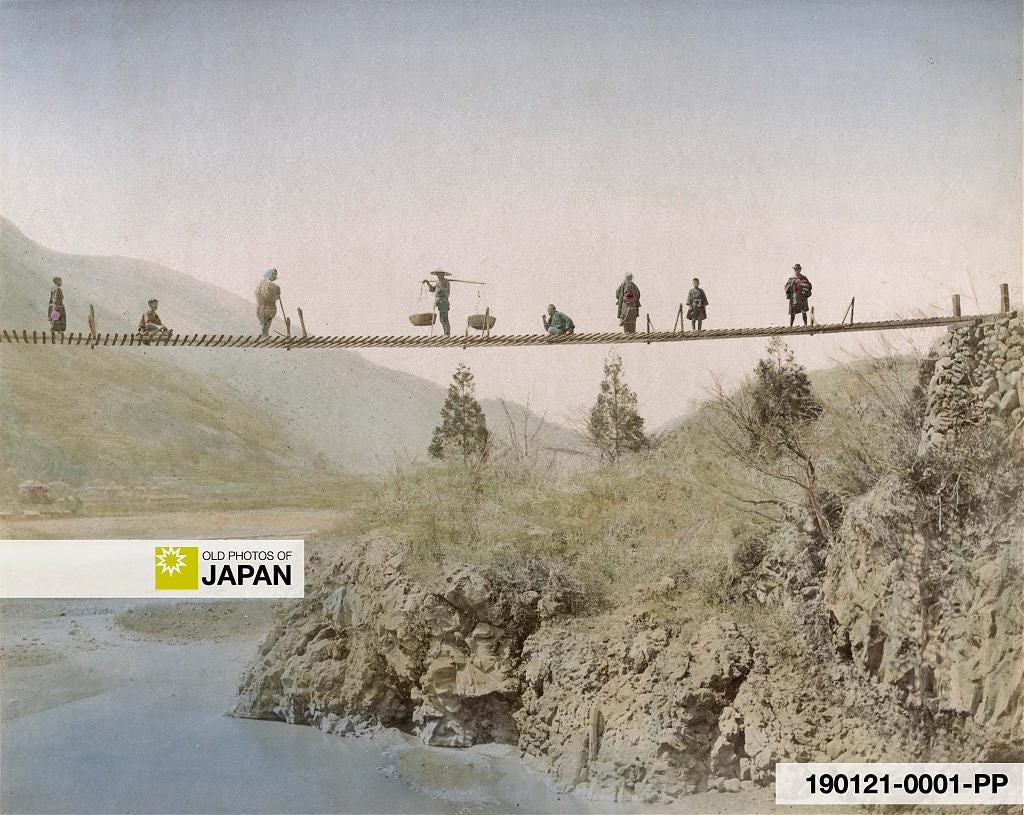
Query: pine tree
[[614, 426], [463, 429], [783, 400]]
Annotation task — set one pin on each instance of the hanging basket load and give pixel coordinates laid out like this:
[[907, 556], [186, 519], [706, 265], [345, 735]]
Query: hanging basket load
[[424, 319], [481, 322]]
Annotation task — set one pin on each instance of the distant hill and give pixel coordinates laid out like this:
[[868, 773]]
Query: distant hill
[[87, 415], [359, 416]]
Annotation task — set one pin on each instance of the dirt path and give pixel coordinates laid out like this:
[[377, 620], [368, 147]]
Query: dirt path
[[206, 524]]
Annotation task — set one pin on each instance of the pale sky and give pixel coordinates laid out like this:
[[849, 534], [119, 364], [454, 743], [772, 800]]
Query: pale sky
[[546, 148]]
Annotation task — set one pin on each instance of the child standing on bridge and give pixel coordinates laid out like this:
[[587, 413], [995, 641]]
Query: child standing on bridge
[[697, 303]]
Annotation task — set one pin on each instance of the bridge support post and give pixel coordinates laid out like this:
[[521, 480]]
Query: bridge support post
[[1004, 297], [594, 742], [956, 305]]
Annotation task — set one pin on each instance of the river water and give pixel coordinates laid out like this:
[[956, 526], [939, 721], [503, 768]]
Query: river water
[[155, 739], [150, 735]]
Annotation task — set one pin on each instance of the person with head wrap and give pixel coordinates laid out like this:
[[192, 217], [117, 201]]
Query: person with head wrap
[[441, 289], [798, 289], [627, 297], [56, 313], [267, 295]]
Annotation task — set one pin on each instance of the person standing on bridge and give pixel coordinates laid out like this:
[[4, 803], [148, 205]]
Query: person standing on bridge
[[441, 289], [697, 303], [627, 297], [267, 295], [798, 289], [55, 312], [556, 323]]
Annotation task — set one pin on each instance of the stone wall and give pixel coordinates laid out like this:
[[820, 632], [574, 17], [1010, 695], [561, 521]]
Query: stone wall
[[974, 375]]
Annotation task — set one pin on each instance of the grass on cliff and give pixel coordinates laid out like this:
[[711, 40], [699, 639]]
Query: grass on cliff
[[681, 510]]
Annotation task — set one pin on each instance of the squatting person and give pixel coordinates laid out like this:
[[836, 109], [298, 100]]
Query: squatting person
[[556, 323]]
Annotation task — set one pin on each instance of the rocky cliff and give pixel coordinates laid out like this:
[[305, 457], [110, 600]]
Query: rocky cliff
[[899, 640]]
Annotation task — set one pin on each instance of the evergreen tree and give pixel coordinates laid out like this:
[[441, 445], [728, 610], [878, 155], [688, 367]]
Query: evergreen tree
[[782, 399], [614, 426], [463, 429]]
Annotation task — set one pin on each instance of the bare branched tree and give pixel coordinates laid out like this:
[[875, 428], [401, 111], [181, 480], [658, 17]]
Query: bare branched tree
[[522, 435]]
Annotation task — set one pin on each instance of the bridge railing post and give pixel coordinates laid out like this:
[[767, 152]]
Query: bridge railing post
[[956, 305], [1004, 297]]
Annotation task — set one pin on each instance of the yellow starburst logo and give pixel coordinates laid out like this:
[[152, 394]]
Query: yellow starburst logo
[[177, 567]]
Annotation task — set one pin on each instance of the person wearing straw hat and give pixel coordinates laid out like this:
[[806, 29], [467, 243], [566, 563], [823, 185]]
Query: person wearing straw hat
[[441, 289], [798, 289], [56, 313], [267, 295]]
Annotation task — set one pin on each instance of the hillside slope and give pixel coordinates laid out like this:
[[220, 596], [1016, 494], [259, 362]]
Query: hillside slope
[[86, 416], [359, 415]]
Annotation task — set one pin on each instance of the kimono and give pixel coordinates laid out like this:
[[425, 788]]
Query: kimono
[[627, 296], [267, 295], [798, 289], [442, 288], [559, 324], [57, 305], [697, 302], [150, 323]]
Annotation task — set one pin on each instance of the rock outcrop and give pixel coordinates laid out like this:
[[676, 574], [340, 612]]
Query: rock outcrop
[[371, 644], [938, 616]]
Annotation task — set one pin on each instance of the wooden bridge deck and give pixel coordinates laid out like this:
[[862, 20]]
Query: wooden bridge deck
[[80, 339]]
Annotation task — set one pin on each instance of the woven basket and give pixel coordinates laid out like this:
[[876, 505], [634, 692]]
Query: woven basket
[[481, 321], [422, 319]]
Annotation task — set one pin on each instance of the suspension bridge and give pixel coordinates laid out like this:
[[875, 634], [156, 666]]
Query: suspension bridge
[[23, 337]]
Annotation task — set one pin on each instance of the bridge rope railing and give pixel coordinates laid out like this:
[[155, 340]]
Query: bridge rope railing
[[23, 337]]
